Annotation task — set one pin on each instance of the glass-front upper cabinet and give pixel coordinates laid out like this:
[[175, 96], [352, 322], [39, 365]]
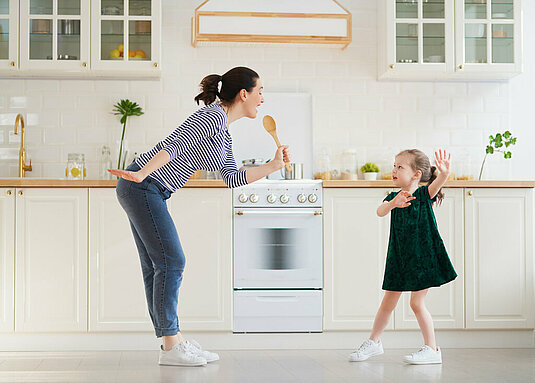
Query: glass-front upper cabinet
[[9, 39], [420, 35], [126, 35], [54, 35], [488, 36]]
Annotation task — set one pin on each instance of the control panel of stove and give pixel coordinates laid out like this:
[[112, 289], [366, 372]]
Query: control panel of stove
[[270, 193]]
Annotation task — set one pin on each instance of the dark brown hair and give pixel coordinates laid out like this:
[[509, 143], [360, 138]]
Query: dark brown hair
[[232, 82], [419, 161]]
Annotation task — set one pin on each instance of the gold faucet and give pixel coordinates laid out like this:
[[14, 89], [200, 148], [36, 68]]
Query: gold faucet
[[22, 152]]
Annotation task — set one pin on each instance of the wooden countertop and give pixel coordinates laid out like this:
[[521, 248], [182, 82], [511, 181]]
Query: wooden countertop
[[51, 183], [63, 183], [449, 184]]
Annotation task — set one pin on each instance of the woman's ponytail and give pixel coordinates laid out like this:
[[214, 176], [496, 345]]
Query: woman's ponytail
[[232, 82], [209, 89]]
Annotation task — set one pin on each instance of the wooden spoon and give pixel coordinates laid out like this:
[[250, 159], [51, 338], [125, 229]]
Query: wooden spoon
[[271, 128]]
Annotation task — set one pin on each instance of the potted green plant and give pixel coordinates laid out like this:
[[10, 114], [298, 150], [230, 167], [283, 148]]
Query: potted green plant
[[125, 109], [495, 144], [370, 171]]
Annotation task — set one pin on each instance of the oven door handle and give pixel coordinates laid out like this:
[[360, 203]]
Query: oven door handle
[[271, 298], [243, 212]]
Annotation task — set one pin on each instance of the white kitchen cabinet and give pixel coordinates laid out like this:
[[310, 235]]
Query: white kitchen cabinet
[[116, 291], [134, 24], [355, 244], [445, 303], [75, 38], [54, 35], [51, 260], [203, 219], [449, 39], [499, 258], [7, 258], [9, 37], [488, 37]]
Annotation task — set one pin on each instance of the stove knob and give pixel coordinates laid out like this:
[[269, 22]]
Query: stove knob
[[253, 198], [302, 198], [242, 198], [285, 198], [312, 198], [271, 198]]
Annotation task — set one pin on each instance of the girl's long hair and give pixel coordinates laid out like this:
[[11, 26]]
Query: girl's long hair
[[418, 160]]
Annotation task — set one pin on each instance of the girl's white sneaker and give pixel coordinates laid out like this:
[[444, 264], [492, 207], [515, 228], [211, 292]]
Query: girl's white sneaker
[[182, 354], [425, 355], [197, 349], [366, 350]]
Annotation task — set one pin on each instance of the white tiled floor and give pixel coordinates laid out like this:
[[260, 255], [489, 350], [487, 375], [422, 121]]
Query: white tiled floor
[[460, 365]]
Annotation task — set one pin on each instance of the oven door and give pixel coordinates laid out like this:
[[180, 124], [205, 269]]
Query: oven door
[[278, 248]]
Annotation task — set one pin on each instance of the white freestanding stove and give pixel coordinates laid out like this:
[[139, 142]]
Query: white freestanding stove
[[278, 256]]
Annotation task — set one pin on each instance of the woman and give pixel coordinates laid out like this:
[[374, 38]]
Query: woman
[[201, 142]]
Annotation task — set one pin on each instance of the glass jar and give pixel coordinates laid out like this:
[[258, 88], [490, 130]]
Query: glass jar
[[323, 167], [75, 169], [349, 165]]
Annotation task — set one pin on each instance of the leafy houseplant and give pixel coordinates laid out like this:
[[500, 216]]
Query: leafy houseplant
[[495, 144], [125, 109], [370, 170]]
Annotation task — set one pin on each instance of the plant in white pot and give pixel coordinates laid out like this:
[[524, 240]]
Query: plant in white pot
[[370, 171]]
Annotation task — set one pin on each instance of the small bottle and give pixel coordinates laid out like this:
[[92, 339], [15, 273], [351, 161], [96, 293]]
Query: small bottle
[[105, 163]]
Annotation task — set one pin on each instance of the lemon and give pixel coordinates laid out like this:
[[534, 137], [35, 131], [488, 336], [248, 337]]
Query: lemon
[[120, 47], [75, 172], [114, 53]]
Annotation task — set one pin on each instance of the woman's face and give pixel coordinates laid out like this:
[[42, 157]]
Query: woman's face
[[252, 100]]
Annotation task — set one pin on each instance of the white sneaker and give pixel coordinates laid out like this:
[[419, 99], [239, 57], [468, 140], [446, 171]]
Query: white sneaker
[[366, 350], [182, 354], [197, 349], [425, 355]]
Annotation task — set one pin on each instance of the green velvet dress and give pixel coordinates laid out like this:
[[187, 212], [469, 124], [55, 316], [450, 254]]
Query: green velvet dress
[[417, 258]]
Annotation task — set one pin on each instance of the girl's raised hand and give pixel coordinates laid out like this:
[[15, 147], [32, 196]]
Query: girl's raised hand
[[443, 161], [402, 199]]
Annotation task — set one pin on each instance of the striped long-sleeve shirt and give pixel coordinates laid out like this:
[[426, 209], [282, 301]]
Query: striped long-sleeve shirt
[[200, 142]]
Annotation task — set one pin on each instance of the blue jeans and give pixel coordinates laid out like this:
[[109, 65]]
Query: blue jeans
[[160, 252]]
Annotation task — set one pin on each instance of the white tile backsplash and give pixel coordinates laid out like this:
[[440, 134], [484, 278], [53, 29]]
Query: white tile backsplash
[[350, 107]]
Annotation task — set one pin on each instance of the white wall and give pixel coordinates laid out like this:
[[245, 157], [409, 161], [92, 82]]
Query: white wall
[[350, 108]]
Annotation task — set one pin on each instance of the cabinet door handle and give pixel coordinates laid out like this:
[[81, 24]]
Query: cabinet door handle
[[12, 63], [20, 192], [84, 64], [470, 193], [461, 67], [9, 192], [155, 65], [391, 66]]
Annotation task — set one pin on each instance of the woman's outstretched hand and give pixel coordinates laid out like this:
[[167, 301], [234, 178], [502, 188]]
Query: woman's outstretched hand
[[128, 175], [282, 155]]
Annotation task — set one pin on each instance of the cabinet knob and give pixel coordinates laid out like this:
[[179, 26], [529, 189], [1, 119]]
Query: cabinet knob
[[391, 66], [20, 192], [155, 65], [461, 66], [84, 64], [9, 192], [470, 192], [12, 63]]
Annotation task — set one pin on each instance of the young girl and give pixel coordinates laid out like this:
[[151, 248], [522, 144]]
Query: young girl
[[417, 258]]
